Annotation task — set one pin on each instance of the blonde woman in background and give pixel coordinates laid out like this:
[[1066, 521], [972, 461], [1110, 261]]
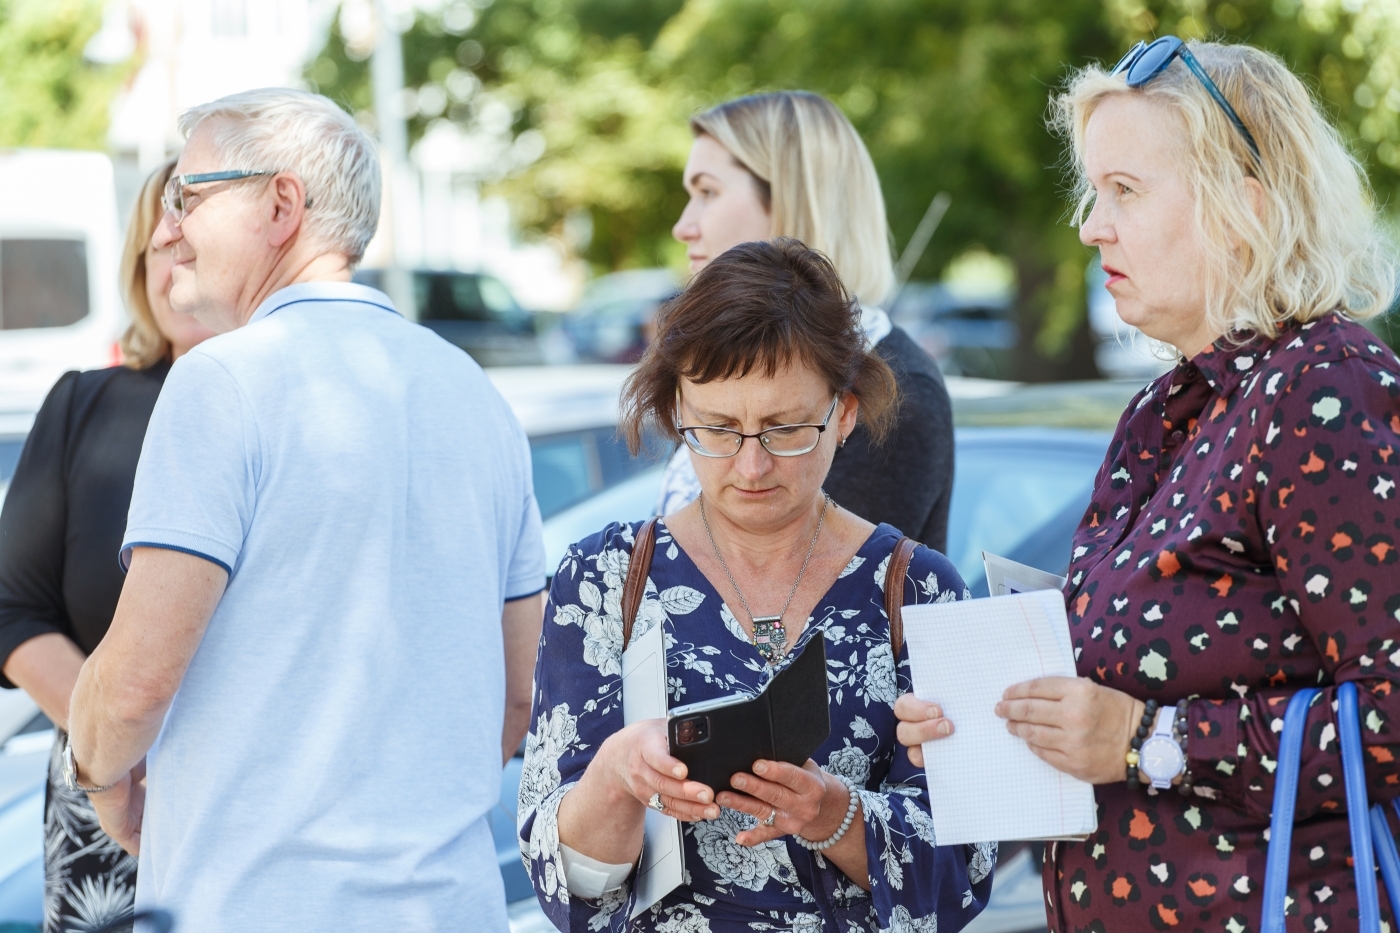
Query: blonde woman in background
[[60, 531], [789, 164]]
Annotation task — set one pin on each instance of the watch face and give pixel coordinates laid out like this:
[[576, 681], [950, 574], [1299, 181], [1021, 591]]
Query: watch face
[[1161, 758]]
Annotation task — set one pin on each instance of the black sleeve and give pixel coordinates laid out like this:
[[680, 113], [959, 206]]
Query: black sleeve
[[926, 426], [907, 481], [32, 527]]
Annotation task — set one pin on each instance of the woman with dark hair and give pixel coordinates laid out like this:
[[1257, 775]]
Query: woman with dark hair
[[60, 532], [760, 368]]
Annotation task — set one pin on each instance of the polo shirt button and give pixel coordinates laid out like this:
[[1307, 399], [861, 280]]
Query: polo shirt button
[[1177, 436]]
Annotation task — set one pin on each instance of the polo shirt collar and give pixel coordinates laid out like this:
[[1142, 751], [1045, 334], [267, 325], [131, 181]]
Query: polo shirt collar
[[312, 292]]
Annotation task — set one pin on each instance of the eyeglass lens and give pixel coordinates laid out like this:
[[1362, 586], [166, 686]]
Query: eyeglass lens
[[783, 440]]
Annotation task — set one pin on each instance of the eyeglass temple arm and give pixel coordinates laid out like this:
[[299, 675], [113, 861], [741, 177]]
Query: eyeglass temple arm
[[1185, 54]]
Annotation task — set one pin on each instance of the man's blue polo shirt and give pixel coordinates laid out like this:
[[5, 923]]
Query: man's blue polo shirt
[[332, 753]]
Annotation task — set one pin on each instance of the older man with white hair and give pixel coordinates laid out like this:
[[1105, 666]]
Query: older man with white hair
[[325, 641]]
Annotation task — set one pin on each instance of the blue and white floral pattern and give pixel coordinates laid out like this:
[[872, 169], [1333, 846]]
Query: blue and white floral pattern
[[916, 885]]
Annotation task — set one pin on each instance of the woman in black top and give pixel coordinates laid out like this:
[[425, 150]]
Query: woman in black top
[[790, 164], [60, 531]]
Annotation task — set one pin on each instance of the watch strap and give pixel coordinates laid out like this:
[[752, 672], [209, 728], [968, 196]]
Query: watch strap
[[70, 771]]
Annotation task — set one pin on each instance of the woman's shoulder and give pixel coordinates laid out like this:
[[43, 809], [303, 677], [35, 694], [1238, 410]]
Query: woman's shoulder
[[931, 576]]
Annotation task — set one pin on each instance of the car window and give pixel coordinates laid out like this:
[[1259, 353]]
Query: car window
[[571, 467], [43, 283], [1003, 493], [10, 448], [496, 297], [565, 470]]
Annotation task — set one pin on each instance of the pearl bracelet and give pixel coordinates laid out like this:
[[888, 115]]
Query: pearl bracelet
[[845, 824]]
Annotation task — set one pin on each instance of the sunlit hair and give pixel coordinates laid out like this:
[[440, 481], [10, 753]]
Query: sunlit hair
[[1319, 246], [818, 181], [284, 130], [143, 345], [758, 308]]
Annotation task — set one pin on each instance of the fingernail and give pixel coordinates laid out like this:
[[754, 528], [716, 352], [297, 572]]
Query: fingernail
[[712, 813], [934, 713], [738, 782], [678, 771], [760, 768], [945, 728]]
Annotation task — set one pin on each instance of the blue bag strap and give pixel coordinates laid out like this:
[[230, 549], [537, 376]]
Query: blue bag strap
[[1290, 756], [1358, 810], [1386, 855]]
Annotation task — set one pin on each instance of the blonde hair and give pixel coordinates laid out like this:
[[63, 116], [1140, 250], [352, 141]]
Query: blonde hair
[[143, 345], [818, 181], [1318, 247]]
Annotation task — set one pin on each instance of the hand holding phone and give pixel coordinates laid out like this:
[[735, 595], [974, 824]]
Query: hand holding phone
[[787, 722], [636, 759]]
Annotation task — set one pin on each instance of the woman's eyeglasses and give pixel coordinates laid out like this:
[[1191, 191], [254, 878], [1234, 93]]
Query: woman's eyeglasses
[[1146, 61], [785, 440]]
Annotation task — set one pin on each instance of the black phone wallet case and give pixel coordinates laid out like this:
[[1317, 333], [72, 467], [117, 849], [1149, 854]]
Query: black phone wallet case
[[788, 721]]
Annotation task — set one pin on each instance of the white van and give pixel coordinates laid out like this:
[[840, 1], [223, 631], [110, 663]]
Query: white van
[[59, 248]]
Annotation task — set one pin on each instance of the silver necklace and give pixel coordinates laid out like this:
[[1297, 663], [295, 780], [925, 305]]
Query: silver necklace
[[768, 635]]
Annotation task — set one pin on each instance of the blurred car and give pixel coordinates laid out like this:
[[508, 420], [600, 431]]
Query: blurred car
[[1025, 462], [478, 313], [59, 247], [967, 334], [611, 322]]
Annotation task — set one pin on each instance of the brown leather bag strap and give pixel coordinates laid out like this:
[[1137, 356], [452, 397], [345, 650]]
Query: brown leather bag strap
[[637, 569], [894, 591]]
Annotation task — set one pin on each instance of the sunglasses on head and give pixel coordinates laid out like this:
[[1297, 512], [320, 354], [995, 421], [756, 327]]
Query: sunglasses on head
[[1146, 61]]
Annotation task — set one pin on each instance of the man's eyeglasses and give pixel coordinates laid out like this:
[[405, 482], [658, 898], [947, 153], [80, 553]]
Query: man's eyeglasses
[[1146, 61], [785, 440], [174, 201]]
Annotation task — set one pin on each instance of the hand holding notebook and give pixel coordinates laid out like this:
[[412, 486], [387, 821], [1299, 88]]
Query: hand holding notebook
[[985, 784]]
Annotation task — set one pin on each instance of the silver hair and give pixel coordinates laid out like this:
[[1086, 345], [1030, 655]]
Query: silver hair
[[285, 130]]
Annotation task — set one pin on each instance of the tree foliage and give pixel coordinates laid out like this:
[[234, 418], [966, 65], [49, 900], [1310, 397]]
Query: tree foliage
[[49, 95], [950, 95]]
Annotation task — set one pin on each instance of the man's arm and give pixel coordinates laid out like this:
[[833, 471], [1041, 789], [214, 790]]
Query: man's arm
[[127, 684], [520, 623]]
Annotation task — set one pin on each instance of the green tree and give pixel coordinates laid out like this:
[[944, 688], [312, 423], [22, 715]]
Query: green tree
[[49, 95], [949, 95]]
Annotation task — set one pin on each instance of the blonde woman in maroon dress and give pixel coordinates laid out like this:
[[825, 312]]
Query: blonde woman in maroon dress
[[1241, 542]]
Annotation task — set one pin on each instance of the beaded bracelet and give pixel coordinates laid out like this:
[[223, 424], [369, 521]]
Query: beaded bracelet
[[1149, 718], [835, 837], [1182, 733]]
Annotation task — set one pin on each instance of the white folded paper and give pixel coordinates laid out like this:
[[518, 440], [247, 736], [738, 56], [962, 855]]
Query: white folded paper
[[985, 784], [644, 697]]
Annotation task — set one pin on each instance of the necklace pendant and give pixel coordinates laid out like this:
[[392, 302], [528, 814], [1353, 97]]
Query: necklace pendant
[[769, 637]]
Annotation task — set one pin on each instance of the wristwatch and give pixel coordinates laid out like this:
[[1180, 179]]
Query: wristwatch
[[70, 771], [1161, 760]]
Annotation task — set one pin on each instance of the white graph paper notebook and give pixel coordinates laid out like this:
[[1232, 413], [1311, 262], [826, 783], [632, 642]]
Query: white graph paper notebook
[[984, 783]]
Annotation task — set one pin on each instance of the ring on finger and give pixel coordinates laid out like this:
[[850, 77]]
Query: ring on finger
[[656, 804], [773, 815]]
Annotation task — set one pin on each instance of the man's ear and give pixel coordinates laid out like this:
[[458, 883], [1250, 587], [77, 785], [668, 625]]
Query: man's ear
[[288, 205]]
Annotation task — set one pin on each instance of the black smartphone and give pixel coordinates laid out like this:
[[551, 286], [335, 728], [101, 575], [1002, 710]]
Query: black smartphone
[[788, 721]]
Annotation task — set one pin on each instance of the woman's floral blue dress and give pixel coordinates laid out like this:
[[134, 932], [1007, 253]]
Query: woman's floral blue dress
[[915, 884]]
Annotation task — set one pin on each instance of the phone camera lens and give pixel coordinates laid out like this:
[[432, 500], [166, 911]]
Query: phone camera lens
[[692, 731]]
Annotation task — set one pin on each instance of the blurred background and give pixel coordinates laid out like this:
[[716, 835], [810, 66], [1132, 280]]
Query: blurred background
[[533, 153], [534, 147]]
